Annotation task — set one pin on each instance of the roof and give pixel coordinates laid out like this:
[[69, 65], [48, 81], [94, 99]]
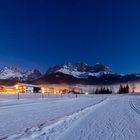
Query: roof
[[30, 85]]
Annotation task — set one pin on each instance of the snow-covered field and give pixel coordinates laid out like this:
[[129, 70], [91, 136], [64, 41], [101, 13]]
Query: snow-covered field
[[87, 117]]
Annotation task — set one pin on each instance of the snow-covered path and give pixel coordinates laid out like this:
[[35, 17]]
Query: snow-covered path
[[116, 118], [17, 116]]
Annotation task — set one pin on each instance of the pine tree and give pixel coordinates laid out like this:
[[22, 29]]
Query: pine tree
[[127, 88], [120, 89], [123, 89], [96, 91]]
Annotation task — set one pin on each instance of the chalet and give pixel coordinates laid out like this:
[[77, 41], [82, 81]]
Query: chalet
[[8, 89], [51, 90], [27, 88], [20, 88]]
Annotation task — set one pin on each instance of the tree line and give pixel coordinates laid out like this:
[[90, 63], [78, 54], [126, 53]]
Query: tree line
[[122, 90]]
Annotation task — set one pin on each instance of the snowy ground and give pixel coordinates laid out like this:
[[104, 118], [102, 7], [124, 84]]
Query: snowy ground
[[19, 115], [92, 117]]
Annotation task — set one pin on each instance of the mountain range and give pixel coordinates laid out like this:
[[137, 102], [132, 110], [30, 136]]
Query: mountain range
[[82, 73], [12, 75], [78, 73]]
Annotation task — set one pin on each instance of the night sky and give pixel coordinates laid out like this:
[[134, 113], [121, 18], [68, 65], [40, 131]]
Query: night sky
[[42, 33]]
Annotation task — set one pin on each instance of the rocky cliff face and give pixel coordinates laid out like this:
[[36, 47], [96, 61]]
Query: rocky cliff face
[[18, 74], [80, 70]]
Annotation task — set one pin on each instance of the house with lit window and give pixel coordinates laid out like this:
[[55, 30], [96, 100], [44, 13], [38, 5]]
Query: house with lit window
[[51, 90], [20, 88], [27, 88]]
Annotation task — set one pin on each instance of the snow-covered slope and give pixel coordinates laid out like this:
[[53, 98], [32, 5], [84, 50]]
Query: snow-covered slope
[[81, 70], [31, 111], [16, 73], [102, 117]]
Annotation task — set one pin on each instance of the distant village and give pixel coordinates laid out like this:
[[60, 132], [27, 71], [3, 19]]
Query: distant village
[[62, 88], [29, 88]]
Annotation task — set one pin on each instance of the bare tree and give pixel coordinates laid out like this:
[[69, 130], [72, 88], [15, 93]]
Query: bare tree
[[133, 87]]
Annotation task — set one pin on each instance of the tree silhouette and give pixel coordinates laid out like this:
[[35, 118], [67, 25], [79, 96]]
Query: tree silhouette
[[123, 89]]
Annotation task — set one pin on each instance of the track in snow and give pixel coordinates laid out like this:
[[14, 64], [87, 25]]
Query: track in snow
[[133, 107], [17, 116], [53, 131], [113, 119]]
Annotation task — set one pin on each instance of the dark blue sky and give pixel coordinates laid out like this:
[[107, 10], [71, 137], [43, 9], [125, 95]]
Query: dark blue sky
[[42, 33]]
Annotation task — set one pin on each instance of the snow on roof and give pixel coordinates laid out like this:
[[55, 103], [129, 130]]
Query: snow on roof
[[30, 85]]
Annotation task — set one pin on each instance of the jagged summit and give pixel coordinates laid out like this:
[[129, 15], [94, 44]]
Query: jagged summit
[[80, 69], [19, 74], [76, 73]]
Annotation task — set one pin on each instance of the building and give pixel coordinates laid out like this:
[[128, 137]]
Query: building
[[27, 88], [20, 88], [8, 89], [52, 90]]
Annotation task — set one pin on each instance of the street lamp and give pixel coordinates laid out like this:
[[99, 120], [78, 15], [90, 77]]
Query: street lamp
[[43, 91], [16, 86]]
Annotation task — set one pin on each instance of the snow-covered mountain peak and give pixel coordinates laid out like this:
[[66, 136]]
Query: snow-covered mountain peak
[[80, 69], [17, 73]]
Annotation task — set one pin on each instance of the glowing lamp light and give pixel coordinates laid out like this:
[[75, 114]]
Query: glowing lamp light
[[43, 90], [86, 93], [16, 86]]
